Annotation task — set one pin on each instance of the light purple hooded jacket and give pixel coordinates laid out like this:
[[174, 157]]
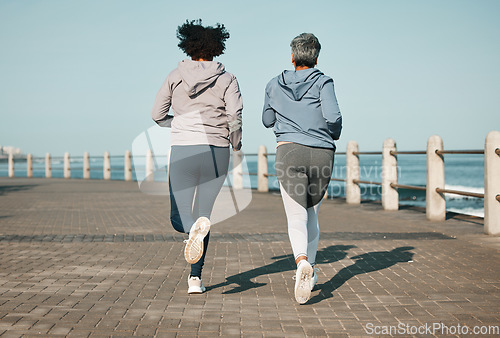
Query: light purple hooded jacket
[[206, 103]]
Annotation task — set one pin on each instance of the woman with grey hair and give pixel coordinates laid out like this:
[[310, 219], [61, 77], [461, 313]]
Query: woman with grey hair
[[302, 109]]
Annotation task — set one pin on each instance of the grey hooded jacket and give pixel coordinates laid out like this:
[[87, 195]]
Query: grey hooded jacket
[[301, 106], [206, 103]]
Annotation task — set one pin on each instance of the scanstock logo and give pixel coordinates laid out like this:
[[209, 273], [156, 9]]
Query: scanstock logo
[[153, 179]]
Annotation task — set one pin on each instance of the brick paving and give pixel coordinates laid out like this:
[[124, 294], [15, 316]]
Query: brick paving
[[96, 258]]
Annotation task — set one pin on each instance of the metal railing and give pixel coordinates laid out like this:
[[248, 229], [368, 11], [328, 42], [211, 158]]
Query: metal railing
[[415, 187], [458, 192], [435, 187], [393, 185], [84, 166], [406, 186]]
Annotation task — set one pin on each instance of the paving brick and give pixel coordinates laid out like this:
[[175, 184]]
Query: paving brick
[[97, 258]]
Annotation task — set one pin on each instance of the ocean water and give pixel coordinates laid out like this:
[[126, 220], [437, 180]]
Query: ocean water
[[462, 172]]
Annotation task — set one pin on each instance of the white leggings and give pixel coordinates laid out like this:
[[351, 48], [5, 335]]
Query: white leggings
[[304, 174], [303, 227]]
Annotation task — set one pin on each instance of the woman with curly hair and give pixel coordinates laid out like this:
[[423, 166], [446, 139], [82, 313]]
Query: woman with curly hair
[[207, 107], [302, 109]]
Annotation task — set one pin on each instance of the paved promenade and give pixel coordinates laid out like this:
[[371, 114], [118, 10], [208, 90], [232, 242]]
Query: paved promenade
[[99, 258]]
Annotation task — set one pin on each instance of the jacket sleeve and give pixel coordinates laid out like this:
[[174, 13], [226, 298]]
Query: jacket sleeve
[[330, 109], [234, 108], [268, 113], [162, 105]]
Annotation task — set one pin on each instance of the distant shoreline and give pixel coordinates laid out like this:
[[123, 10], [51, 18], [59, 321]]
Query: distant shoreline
[[16, 157]]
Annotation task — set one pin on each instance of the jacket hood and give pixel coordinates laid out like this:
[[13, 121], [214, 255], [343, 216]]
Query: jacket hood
[[198, 75], [296, 84]]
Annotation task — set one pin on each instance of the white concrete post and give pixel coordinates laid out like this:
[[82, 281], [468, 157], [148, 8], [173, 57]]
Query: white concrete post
[[128, 166], [492, 183], [67, 167], [435, 201], [106, 166], [390, 196], [29, 166], [149, 166], [237, 170], [262, 179], [11, 165], [352, 190], [86, 165], [48, 166]]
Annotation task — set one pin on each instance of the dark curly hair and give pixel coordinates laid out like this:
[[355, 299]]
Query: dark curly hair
[[201, 42]]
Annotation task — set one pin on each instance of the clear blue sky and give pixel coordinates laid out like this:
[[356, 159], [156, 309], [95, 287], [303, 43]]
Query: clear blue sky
[[82, 75]]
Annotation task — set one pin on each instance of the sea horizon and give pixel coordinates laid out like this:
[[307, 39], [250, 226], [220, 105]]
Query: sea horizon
[[462, 172]]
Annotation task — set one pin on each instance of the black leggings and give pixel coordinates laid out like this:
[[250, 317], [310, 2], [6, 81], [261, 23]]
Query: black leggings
[[196, 175]]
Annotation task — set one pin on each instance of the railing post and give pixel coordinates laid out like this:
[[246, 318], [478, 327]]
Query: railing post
[[262, 180], [237, 170], [86, 165], [29, 165], [435, 201], [128, 166], [352, 190], [492, 183], [67, 166], [149, 166], [390, 196], [106, 166], [11, 164], [48, 166]]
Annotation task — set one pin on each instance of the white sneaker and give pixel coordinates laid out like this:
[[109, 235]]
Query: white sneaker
[[303, 282], [195, 285], [314, 278], [194, 245]]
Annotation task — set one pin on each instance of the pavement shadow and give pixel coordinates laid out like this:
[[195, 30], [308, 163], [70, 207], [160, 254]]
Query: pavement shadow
[[465, 218], [4, 189], [365, 263], [283, 263]]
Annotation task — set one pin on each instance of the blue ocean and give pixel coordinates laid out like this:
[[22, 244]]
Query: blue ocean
[[462, 172]]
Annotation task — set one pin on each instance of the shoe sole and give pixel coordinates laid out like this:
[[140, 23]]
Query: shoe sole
[[303, 283], [194, 247], [195, 291]]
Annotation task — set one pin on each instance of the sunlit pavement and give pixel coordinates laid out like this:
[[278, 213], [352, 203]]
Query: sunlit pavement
[[100, 258]]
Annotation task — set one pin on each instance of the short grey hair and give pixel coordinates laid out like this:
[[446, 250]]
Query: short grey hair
[[305, 49]]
